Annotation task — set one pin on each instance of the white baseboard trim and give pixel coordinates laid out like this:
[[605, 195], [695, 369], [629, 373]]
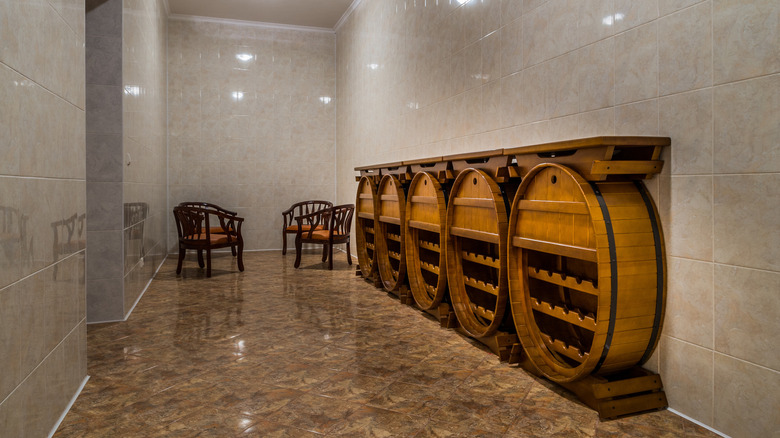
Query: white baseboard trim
[[697, 422], [67, 408]]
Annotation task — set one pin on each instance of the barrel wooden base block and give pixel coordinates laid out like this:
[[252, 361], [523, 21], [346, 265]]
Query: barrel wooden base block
[[629, 392], [500, 343], [444, 314], [403, 293]]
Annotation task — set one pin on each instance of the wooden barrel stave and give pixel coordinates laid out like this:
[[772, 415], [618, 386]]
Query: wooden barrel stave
[[365, 227], [390, 232], [576, 242]]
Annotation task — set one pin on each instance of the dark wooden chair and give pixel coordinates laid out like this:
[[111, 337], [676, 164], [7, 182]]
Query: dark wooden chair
[[193, 224], [327, 227], [223, 227], [300, 209]]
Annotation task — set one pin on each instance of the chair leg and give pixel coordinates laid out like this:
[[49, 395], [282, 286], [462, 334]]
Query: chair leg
[[330, 257], [200, 258], [284, 242], [233, 250], [325, 252], [240, 256], [297, 252], [182, 251], [349, 256], [208, 263]]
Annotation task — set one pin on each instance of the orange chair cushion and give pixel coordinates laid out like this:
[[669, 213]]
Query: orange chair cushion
[[219, 230], [215, 238], [294, 228], [323, 235]]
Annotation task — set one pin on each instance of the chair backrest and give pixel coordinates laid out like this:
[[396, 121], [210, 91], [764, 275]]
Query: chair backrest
[[341, 219], [207, 205], [307, 207], [189, 221]]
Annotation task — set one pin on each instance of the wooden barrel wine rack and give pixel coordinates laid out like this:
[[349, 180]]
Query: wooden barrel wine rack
[[586, 273], [365, 226], [390, 233], [579, 256], [426, 211], [476, 252]]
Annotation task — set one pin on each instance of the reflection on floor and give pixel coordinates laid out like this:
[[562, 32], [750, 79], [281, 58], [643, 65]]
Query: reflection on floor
[[276, 351]]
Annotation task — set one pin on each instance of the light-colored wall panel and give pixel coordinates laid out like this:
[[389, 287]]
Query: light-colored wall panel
[[252, 121], [42, 192]]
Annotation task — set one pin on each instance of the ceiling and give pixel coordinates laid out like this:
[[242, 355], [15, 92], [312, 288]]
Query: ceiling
[[310, 13]]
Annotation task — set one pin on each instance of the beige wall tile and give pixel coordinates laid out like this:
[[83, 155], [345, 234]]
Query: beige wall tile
[[511, 47], [747, 232], [562, 96], [746, 309], [686, 371], [689, 301], [597, 75], [666, 7], [687, 119], [596, 20], [629, 13], [746, 402], [745, 126], [686, 209], [745, 36], [636, 64], [639, 118], [685, 50]]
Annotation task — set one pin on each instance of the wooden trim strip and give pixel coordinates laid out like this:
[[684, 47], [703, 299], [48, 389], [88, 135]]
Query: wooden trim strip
[[365, 215], [577, 252], [483, 236], [616, 167], [554, 206], [417, 199], [475, 202], [481, 285], [434, 228], [481, 259], [390, 220]]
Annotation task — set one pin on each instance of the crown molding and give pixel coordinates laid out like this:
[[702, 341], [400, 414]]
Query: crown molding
[[180, 17], [346, 15]]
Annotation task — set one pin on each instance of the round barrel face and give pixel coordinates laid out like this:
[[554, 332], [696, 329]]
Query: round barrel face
[[583, 264], [365, 227], [476, 252], [389, 237], [425, 257]]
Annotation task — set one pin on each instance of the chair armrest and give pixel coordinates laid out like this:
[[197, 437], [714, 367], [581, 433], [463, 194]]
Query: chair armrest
[[313, 220]]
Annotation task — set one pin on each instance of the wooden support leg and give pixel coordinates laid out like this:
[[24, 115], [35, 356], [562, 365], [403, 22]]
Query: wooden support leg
[[330, 257], [349, 256], [297, 252], [208, 263], [200, 258], [240, 256], [325, 252], [182, 252], [284, 242]]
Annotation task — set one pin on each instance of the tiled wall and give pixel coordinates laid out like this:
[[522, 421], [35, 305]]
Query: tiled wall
[[251, 120], [427, 78], [145, 142], [42, 211], [126, 151]]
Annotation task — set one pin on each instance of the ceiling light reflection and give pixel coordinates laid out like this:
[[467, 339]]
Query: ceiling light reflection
[[132, 90], [244, 57], [325, 99], [238, 95]]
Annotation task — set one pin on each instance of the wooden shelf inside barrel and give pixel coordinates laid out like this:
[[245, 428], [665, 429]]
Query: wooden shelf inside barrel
[[586, 275]]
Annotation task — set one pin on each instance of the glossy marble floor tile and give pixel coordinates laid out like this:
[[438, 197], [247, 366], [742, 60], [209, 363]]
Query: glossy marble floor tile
[[282, 352]]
